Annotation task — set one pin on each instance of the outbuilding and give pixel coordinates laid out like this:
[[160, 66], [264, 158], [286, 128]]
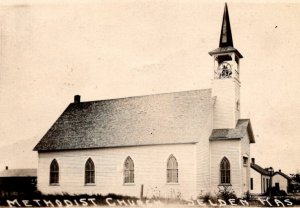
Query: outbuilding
[[17, 181]]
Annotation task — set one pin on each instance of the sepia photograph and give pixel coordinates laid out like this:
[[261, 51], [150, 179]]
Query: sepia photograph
[[149, 103]]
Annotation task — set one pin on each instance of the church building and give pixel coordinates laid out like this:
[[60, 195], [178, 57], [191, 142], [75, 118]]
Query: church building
[[174, 145]]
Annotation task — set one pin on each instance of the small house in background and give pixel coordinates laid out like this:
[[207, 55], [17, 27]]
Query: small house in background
[[17, 181], [281, 181], [259, 179]]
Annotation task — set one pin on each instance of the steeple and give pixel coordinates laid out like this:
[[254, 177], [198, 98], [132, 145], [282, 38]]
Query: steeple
[[226, 36], [226, 41], [226, 82]]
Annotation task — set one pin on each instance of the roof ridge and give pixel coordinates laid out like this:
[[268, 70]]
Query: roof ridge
[[258, 168], [146, 95], [282, 174], [19, 169]]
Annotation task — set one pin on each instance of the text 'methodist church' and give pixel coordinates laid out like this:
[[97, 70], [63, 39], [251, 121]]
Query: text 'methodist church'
[[169, 145]]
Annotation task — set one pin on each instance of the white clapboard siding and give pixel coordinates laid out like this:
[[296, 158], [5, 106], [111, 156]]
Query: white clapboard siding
[[239, 173], [231, 150], [203, 159], [237, 99], [257, 182], [149, 169], [283, 182], [245, 150], [227, 92]]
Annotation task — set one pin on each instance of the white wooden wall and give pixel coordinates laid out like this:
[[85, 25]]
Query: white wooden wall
[[283, 182], [203, 152], [265, 185], [234, 151], [150, 170], [257, 182], [227, 92], [231, 149], [245, 150]]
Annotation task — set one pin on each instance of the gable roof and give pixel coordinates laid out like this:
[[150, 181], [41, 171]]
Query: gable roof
[[18, 173], [283, 175], [243, 127], [259, 169], [169, 118]]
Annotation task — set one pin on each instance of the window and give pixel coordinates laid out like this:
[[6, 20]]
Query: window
[[245, 161], [128, 170], [89, 172], [172, 170], [251, 183], [225, 171], [54, 172], [277, 186]]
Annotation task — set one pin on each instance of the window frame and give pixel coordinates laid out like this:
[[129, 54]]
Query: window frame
[[54, 173], [245, 161], [172, 170], [89, 172], [128, 171], [225, 172]]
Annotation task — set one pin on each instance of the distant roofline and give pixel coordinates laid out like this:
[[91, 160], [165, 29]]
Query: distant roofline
[[283, 175], [263, 171], [18, 172]]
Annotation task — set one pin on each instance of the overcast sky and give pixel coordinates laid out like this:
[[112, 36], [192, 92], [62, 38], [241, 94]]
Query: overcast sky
[[109, 49]]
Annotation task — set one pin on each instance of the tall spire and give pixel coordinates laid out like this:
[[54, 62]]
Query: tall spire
[[226, 42], [226, 36]]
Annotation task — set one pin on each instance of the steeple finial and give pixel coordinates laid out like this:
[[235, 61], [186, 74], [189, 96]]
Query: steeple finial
[[226, 36]]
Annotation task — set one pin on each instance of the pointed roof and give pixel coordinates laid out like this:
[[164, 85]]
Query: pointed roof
[[226, 36], [259, 169], [226, 41], [283, 175], [131, 121], [243, 127]]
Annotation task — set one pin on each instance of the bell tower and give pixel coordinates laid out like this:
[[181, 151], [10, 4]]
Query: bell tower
[[226, 83]]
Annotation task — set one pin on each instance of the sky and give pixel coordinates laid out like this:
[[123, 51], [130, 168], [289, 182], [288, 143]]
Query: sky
[[51, 51]]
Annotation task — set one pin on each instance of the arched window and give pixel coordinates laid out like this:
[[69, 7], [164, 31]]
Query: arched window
[[54, 172], [128, 170], [172, 170], [225, 171], [89, 172]]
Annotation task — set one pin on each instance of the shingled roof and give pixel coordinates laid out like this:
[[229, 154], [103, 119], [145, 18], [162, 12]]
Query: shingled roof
[[259, 169], [282, 174], [243, 127], [169, 118]]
